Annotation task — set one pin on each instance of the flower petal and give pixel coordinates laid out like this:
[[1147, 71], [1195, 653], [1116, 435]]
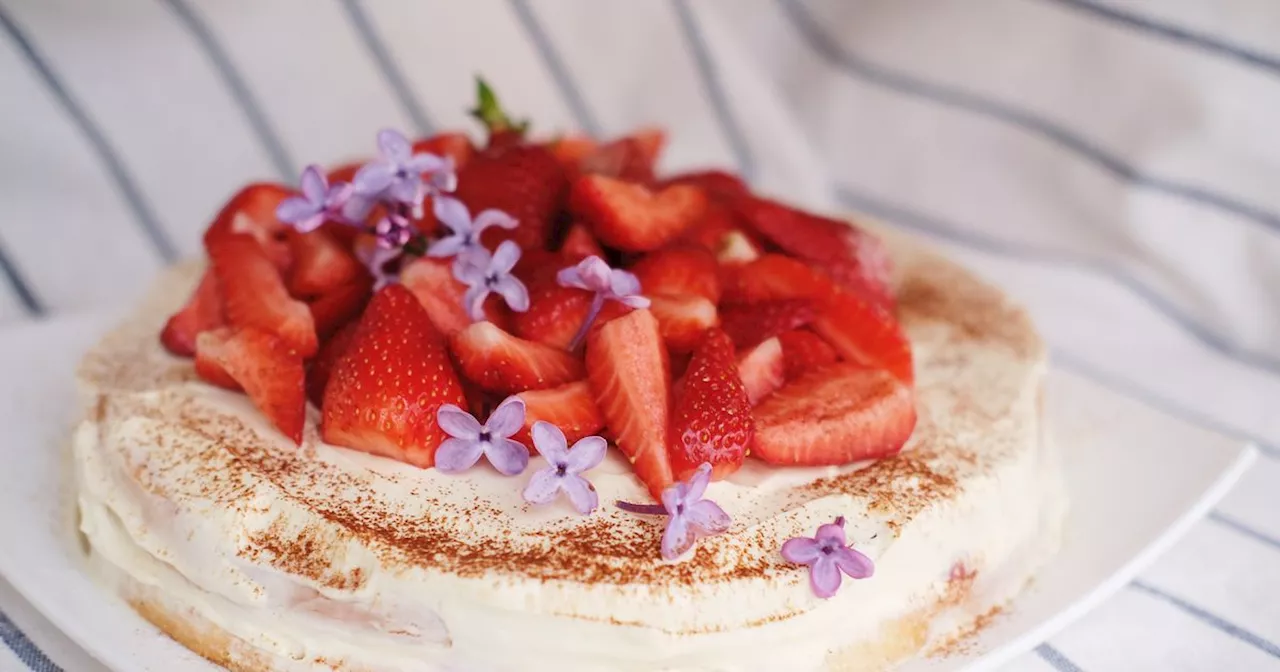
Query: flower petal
[[447, 246], [634, 301], [406, 190], [295, 209], [824, 577], [677, 539], [473, 301], [623, 283], [357, 208], [373, 178], [586, 453], [507, 456], [314, 185], [453, 213], [543, 486], [596, 274], [338, 195], [394, 145], [458, 423], [455, 455], [514, 291], [425, 162], [570, 277], [831, 534], [505, 257], [854, 563], [698, 482], [707, 518], [471, 268], [581, 494], [492, 217], [507, 418], [550, 442], [674, 496], [801, 550]]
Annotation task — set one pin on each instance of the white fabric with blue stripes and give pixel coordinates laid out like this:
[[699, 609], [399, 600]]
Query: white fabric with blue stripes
[[1112, 163]]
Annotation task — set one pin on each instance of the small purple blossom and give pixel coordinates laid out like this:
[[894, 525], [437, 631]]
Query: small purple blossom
[[484, 274], [376, 259], [319, 202], [396, 175], [464, 232], [594, 275], [564, 466], [690, 517], [469, 439], [393, 231], [828, 554]]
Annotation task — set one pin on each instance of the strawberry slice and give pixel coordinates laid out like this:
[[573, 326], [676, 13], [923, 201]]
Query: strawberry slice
[[711, 417], [749, 324], [441, 294], [320, 264], [252, 210], [202, 312], [860, 331], [772, 277], [254, 295], [856, 259], [525, 182], [834, 416], [630, 158], [680, 269], [717, 184], [762, 370], [570, 407], [340, 306], [628, 372], [570, 150], [629, 216], [383, 394], [456, 146], [805, 351], [321, 367], [579, 244], [211, 370], [266, 367], [499, 362], [717, 221], [556, 313], [683, 319], [737, 248]]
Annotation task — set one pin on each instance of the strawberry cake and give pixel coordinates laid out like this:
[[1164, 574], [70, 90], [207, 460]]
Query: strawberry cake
[[526, 405]]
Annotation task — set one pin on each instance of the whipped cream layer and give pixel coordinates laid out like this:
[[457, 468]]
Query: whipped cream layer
[[326, 558]]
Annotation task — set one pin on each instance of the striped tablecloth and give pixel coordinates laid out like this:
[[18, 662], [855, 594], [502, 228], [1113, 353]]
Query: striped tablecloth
[[1112, 163]]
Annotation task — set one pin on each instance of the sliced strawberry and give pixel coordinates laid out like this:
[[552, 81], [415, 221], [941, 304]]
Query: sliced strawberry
[[254, 295], [202, 312], [749, 324], [772, 277], [570, 407], [683, 319], [525, 182], [711, 416], [456, 146], [340, 306], [717, 184], [383, 394], [441, 294], [322, 366], [628, 372], [737, 248], [762, 370], [856, 259], [267, 368], [571, 150], [630, 158], [838, 415], [556, 313], [252, 210], [680, 269], [499, 362], [579, 244], [320, 264], [805, 351], [862, 332], [629, 216], [209, 369]]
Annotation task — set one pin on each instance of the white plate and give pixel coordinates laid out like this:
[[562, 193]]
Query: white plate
[[1137, 480]]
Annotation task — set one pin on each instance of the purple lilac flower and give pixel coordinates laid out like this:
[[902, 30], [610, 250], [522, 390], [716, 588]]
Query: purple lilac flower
[[393, 231], [828, 554], [594, 275], [464, 232], [690, 516], [564, 466], [469, 439], [397, 174], [376, 259], [319, 202], [484, 274]]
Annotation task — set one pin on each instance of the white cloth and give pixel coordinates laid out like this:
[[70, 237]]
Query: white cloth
[[1111, 163]]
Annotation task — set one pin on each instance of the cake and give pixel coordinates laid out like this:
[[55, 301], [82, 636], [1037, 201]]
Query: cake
[[779, 491]]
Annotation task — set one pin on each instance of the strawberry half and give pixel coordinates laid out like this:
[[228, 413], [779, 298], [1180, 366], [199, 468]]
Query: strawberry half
[[525, 182], [841, 414], [254, 295], [630, 158], [683, 320], [268, 370], [762, 369], [321, 367], [804, 351], [629, 216], [320, 264], [340, 306], [252, 210], [570, 407], [628, 372], [499, 362], [680, 269], [711, 417], [717, 184], [773, 277], [383, 393], [555, 313], [579, 244], [750, 324], [862, 332], [202, 312], [441, 294]]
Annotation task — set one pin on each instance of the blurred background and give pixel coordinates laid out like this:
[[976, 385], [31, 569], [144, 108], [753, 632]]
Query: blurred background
[[1111, 163]]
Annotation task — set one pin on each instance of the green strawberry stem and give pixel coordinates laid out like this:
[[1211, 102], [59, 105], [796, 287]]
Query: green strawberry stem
[[490, 113]]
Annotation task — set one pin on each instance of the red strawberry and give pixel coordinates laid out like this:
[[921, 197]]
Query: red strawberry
[[499, 362], [322, 366], [432, 281], [717, 221], [252, 210], [570, 407], [504, 132], [571, 150], [456, 146], [762, 369], [681, 269], [856, 259], [556, 313], [628, 372], [320, 264], [340, 306], [344, 173], [630, 158], [579, 244], [211, 370], [711, 416], [526, 182], [862, 332], [774, 276], [834, 416], [268, 370], [683, 319], [383, 394], [202, 312], [254, 295], [805, 351], [629, 216], [717, 184], [749, 324]]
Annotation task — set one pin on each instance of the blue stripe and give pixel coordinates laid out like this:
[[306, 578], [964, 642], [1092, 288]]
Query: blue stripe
[[1177, 34], [390, 68], [244, 97], [124, 182], [555, 65], [958, 98], [907, 218], [19, 284], [1256, 535], [711, 84], [1055, 659], [1217, 622], [23, 648]]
